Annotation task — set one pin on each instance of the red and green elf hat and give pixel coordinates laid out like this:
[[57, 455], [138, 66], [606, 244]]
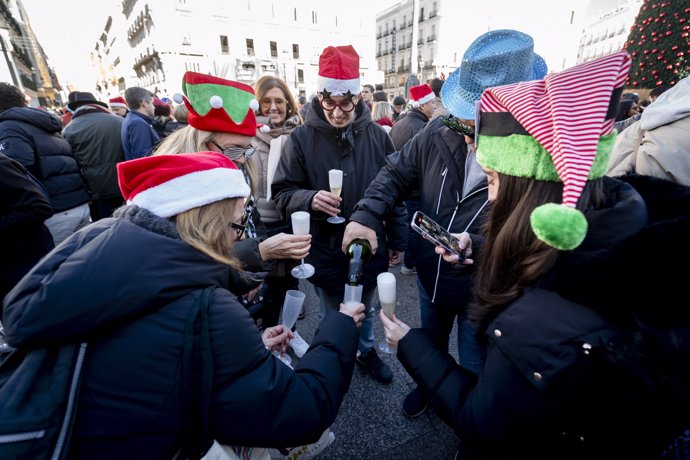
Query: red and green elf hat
[[218, 105], [556, 129]]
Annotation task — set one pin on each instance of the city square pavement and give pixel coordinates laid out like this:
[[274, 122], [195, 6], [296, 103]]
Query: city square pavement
[[370, 424]]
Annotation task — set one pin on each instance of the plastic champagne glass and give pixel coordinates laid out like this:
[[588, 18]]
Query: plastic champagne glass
[[335, 181], [386, 285], [292, 305], [300, 226]]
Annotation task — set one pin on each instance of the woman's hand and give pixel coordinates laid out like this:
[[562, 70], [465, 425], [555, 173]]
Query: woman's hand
[[394, 329], [285, 246], [276, 339], [465, 243], [355, 312]]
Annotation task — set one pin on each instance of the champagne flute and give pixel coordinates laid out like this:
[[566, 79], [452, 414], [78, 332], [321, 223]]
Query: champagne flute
[[292, 305], [335, 181], [385, 283], [300, 226]]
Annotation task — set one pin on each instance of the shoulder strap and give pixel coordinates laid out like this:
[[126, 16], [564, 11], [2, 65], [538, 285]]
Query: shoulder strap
[[197, 380]]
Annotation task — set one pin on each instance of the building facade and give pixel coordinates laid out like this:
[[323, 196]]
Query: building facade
[[606, 32], [24, 63], [151, 43]]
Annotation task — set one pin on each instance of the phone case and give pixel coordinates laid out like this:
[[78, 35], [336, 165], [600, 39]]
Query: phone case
[[433, 232]]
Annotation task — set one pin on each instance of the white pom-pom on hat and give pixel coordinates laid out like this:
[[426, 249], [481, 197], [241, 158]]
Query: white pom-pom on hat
[[415, 104], [177, 98], [216, 102], [265, 129], [254, 104]]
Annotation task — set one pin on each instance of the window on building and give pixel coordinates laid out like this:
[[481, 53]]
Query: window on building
[[380, 33], [336, 21], [572, 17], [274, 49], [250, 47], [224, 47], [421, 14], [404, 23], [295, 51], [314, 17], [294, 14], [300, 76]]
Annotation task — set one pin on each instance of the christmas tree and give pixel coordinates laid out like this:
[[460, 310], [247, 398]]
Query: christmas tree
[[659, 43]]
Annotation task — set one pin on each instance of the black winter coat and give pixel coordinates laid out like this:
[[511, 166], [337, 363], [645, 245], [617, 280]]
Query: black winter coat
[[32, 137], [126, 285], [563, 377], [24, 239], [360, 151], [406, 127], [453, 192], [94, 134]]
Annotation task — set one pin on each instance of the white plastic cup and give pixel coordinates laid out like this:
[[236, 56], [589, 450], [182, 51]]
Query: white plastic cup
[[353, 295], [292, 305], [386, 285]]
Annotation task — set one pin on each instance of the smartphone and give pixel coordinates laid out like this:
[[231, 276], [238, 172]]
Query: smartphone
[[433, 232]]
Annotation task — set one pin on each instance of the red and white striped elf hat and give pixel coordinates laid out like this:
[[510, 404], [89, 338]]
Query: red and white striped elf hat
[[339, 71], [556, 129], [167, 185], [421, 94]]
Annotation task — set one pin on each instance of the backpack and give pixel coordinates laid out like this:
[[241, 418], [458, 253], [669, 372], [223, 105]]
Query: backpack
[[39, 392], [39, 389]]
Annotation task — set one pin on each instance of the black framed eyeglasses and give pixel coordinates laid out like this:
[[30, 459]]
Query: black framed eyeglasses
[[239, 229], [233, 152], [328, 104]]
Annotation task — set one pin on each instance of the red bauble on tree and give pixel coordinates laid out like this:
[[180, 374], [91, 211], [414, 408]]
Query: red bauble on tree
[[666, 24]]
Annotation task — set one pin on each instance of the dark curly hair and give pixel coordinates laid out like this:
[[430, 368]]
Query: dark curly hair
[[11, 96]]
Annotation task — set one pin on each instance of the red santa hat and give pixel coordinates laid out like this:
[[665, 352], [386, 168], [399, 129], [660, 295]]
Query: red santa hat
[[421, 94], [168, 185], [118, 101], [339, 71], [218, 105]]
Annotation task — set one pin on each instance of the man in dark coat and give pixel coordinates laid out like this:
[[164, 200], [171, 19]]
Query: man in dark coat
[[440, 163], [32, 137], [338, 134], [24, 238], [94, 134], [423, 103]]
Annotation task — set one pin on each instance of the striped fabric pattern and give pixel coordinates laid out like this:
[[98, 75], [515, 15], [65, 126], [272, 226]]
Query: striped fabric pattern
[[566, 113]]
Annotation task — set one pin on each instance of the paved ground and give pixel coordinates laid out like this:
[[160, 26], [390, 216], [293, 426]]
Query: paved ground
[[370, 424]]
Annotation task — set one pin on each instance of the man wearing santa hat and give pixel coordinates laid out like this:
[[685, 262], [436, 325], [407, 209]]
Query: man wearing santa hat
[[339, 133], [119, 106]]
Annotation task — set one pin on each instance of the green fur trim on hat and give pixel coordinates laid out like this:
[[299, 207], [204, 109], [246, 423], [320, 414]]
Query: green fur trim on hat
[[235, 101], [559, 226], [522, 156]]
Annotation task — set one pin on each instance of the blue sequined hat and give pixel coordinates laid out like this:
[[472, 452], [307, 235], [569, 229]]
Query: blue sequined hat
[[499, 57]]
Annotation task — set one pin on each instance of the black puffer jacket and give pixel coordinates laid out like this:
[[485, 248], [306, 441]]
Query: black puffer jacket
[[407, 126], [360, 151], [32, 137], [453, 192], [126, 284], [593, 361]]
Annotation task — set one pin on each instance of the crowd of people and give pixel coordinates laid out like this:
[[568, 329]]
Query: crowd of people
[[569, 202]]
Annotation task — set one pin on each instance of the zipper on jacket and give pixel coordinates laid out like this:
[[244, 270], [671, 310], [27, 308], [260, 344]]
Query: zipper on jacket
[[69, 410], [450, 224], [21, 437]]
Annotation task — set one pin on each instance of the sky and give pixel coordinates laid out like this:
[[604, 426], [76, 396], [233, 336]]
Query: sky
[[67, 33]]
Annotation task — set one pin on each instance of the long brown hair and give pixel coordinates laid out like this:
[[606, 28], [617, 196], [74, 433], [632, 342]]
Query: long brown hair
[[512, 257], [267, 83], [207, 229]]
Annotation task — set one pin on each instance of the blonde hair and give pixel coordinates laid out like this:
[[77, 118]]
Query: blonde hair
[[190, 140], [207, 229], [380, 110]]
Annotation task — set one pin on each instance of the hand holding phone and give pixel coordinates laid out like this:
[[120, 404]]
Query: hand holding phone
[[439, 236]]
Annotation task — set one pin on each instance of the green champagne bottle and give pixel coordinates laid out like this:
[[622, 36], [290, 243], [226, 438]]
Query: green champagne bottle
[[359, 253]]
